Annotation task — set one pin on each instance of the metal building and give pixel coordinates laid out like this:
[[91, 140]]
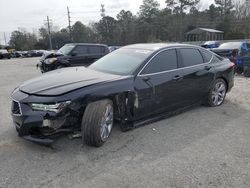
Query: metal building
[[204, 34]]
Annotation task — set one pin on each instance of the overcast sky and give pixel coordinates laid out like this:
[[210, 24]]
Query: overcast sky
[[30, 14]]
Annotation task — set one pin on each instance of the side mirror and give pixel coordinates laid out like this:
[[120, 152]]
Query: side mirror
[[73, 54]]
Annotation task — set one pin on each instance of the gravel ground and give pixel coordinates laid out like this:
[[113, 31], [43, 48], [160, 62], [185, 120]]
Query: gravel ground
[[204, 147]]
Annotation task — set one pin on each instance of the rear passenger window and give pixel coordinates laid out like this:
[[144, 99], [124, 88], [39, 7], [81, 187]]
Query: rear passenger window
[[96, 49], [207, 56], [164, 61], [191, 57], [81, 50]]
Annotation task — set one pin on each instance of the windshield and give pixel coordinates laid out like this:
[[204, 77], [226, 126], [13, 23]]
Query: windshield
[[122, 61], [231, 45], [66, 49], [210, 42]]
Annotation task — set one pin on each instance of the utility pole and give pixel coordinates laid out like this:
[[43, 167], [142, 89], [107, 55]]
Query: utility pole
[[4, 38], [70, 34], [50, 41]]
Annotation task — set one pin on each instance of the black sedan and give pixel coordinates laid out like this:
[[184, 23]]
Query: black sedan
[[135, 85]]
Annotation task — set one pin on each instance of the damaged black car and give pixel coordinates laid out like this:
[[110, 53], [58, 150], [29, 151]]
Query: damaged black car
[[134, 85], [75, 54]]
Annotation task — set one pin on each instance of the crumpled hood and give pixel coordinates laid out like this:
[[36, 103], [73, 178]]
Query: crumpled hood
[[48, 54], [64, 80]]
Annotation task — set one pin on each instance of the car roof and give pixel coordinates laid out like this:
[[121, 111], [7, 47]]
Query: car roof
[[157, 46], [87, 44]]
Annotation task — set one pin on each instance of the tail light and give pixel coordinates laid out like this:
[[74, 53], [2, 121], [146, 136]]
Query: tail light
[[232, 64]]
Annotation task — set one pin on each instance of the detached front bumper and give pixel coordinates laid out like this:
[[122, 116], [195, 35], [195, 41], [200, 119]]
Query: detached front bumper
[[44, 67], [31, 125], [40, 127]]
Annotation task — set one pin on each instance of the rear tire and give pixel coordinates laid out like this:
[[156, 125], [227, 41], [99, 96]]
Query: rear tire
[[217, 93], [97, 122], [239, 70]]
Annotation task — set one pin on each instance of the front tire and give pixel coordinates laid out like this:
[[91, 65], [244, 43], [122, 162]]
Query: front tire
[[217, 93], [97, 122]]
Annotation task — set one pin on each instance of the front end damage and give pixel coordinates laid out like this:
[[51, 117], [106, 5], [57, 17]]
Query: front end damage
[[43, 127], [50, 61]]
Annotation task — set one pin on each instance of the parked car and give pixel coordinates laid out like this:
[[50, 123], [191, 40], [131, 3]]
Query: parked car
[[34, 53], [135, 85], [237, 52], [4, 54], [78, 54], [113, 48], [16, 54], [211, 44], [24, 53]]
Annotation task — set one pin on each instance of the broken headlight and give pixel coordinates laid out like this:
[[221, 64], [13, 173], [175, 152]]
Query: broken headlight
[[57, 107], [50, 60]]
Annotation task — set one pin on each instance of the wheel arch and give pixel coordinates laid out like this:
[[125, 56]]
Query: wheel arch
[[225, 80], [123, 104]]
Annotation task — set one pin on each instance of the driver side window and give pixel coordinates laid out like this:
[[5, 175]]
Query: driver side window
[[164, 61], [80, 50]]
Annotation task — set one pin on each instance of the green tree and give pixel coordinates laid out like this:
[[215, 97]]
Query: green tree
[[80, 33], [180, 6], [225, 6], [146, 29], [60, 38], [22, 40], [108, 30], [149, 9], [126, 22], [213, 12]]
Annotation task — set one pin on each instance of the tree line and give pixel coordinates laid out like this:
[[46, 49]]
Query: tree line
[[150, 24]]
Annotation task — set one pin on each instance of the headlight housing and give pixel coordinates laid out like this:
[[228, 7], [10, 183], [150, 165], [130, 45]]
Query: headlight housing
[[50, 60], [57, 107]]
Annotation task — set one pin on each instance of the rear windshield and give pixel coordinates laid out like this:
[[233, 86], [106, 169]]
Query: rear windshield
[[231, 45]]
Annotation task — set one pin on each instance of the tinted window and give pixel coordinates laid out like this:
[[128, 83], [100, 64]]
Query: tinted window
[[207, 56], [166, 60], [96, 49], [217, 59], [190, 57], [81, 50], [122, 61]]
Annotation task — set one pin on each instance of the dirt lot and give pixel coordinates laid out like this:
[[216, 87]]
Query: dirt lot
[[204, 147]]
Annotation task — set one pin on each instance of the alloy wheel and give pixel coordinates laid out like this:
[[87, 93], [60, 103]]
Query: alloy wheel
[[107, 123], [218, 93]]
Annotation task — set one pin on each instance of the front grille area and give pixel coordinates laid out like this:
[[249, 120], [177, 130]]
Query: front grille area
[[15, 108]]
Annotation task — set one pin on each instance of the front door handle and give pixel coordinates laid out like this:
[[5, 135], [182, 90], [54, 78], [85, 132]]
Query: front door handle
[[207, 68], [149, 83], [146, 79], [177, 78]]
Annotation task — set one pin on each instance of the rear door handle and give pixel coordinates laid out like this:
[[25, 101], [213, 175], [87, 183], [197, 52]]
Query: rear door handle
[[207, 68], [177, 78]]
